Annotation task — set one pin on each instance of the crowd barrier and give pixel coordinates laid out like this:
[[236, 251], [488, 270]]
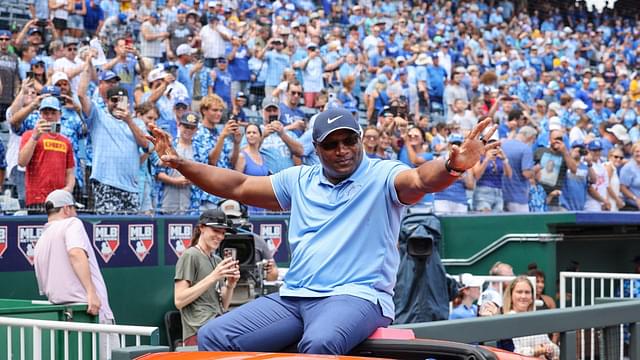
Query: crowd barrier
[[580, 289]]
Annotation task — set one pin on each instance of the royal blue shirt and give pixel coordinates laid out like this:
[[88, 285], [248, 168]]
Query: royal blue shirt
[[343, 237]]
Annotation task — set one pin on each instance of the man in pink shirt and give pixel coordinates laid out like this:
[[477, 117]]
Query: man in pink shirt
[[66, 267]]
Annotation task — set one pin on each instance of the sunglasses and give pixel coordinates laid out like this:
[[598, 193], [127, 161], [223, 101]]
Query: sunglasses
[[618, 157], [299, 93], [332, 145], [114, 99], [72, 48], [5, 39], [557, 138]]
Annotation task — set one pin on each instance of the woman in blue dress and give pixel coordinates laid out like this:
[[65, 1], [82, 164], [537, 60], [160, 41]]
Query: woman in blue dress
[[250, 161]]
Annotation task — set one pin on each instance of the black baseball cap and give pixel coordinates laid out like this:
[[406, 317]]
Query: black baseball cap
[[216, 219], [117, 91]]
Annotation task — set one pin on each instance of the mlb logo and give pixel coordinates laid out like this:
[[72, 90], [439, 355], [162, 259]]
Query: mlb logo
[[272, 234], [106, 239], [27, 238], [3, 240], [179, 237], [141, 240]]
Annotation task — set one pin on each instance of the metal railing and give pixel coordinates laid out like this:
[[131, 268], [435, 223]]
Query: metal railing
[[578, 289], [36, 328], [503, 240], [564, 321]]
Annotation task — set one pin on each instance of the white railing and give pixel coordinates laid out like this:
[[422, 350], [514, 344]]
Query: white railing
[[583, 289], [37, 326]]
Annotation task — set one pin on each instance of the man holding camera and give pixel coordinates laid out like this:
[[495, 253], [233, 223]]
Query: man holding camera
[[279, 145], [343, 231], [47, 156], [115, 137]]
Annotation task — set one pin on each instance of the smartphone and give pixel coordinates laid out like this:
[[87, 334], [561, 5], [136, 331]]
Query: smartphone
[[230, 253], [30, 74], [55, 128], [42, 23], [123, 103], [273, 118]]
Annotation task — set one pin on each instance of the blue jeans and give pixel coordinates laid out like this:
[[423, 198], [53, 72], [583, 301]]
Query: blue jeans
[[327, 325]]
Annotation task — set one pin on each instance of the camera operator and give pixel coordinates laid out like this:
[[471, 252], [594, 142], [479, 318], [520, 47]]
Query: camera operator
[[239, 215], [47, 156], [204, 282]]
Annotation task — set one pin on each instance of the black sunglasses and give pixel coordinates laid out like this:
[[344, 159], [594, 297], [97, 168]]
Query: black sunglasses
[[332, 145], [114, 99], [557, 138], [295, 93]]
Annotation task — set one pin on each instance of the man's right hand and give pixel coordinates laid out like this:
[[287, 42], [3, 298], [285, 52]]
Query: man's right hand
[[93, 303], [42, 126]]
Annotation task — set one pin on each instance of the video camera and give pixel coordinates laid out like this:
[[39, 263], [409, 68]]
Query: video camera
[[250, 284]]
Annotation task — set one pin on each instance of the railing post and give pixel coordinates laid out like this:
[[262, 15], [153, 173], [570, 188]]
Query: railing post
[[154, 338], [37, 343], [568, 348], [634, 341], [563, 290]]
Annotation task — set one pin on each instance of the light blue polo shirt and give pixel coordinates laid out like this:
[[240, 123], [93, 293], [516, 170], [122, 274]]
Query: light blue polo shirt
[[343, 237]]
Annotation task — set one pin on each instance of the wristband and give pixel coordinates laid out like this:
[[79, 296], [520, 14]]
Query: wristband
[[451, 170]]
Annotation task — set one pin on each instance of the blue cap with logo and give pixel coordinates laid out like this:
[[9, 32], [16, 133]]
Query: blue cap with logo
[[50, 102], [36, 60], [595, 145], [332, 120], [50, 89], [5, 33], [122, 17], [182, 100], [34, 30], [182, 11], [108, 75], [455, 138], [577, 143]]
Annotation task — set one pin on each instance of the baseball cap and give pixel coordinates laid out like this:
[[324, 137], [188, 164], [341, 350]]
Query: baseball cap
[[241, 94], [490, 295], [184, 100], [50, 89], [59, 75], [400, 58], [185, 49], [311, 45], [36, 60], [108, 75], [190, 118], [122, 17], [402, 71], [231, 208], [34, 30], [467, 280], [156, 74], [594, 145], [5, 33], [212, 4], [50, 102], [579, 104], [269, 102], [215, 218], [577, 143], [620, 133], [555, 123], [59, 198], [387, 69], [455, 138], [182, 11], [332, 120], [117, 91]]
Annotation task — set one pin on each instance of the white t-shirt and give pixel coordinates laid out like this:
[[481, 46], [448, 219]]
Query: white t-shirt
[[65, 65], [213, 45], [54, 272]]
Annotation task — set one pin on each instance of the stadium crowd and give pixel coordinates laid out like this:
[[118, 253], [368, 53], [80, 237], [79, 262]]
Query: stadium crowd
[[236, 84]]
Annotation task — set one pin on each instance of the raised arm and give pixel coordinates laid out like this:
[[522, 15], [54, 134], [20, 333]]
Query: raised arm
[[225, 183], [433, 176]]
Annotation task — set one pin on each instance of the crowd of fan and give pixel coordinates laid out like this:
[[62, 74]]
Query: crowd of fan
[[236, 84]]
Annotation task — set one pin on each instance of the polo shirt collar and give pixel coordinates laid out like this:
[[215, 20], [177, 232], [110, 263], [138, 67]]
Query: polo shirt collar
[[360, 172]]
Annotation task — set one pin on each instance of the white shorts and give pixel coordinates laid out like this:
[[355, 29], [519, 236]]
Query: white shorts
[[449, 207]]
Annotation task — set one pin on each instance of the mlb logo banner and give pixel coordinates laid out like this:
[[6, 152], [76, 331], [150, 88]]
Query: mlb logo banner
[[141, 239], [179, 237], [272, 234], [3, 240], [106, 239], [28, 236]]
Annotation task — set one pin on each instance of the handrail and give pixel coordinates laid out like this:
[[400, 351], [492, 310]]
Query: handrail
[[507, 238], [565, 321], [77, 326]]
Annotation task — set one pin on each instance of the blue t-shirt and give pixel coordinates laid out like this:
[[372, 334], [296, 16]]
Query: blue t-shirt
[[222, 86], [115, 150], [520, 155], [332, 256], [463, 312], [456, 192], [630, 177], [239, 66], [574, 190], [276, 153], [492, 176]]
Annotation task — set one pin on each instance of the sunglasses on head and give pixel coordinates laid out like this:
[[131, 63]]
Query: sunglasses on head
[[332, 145]]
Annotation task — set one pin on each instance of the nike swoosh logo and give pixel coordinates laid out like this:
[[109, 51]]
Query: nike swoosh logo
[[333, 119]]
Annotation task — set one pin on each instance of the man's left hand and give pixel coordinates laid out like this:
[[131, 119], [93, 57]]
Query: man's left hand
[[465, 156]]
